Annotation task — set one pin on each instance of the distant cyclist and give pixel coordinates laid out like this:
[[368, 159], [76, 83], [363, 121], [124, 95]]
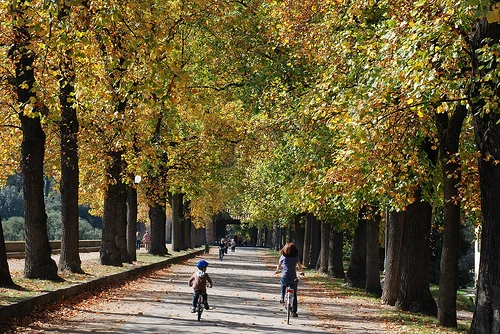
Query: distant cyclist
[[289, 260], [199, 281]]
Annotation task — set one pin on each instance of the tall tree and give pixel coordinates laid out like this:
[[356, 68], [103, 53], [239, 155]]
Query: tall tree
[[69, 127], [38, 261], [484, 42], [449, 129]]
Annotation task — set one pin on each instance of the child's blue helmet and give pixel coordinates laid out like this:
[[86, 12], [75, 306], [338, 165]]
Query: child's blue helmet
[[202, 264]]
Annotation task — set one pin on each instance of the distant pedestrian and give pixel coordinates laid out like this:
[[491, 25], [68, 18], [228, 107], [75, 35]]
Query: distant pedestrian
[[138, 240], [147, 240]]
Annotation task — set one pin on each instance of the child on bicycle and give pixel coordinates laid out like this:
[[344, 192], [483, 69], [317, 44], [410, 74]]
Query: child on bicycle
[[199, 281], [289, 260]]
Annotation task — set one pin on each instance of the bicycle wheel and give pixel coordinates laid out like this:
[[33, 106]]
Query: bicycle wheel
[[200, 307], [288, 307]]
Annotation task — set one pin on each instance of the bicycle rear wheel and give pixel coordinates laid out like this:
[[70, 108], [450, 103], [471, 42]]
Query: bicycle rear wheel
[[288, 307], [199, 307]]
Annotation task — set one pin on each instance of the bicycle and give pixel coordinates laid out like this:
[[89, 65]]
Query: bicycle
[[289, 295], [200, 306]]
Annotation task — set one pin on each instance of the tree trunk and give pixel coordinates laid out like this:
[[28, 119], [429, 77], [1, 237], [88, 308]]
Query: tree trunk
[[269, 237], [275, 238], [299, 236], [132, 222], [325, 246], [187, 225], [392, 277], [5, 278], [121, 222], [372, 285], [356, 273], [336, 254], [70, 256], [315, 242], [38, 261], [307, 240], [110, 254], [177, 231], [449, 130], [158, 219], [487, 133], [415, 295]]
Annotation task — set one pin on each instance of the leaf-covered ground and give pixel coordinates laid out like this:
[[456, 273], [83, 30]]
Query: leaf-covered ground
[[118, 307]]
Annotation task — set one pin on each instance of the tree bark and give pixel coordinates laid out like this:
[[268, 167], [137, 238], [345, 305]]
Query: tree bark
[[307, 240], [487, 137], [415, 295], [315, 242], [356, 273], [449, 130], [275, 238], [392, 277], [177, 231], [5, 278], [299, 236], [132, 222], [336, 254], [110, 253], [38, 261], [372, 285], [121, 222], [187, 225], [325, 246], [158, 219]]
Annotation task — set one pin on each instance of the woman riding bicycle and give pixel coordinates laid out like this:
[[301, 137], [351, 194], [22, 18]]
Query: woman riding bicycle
[[289, 260]]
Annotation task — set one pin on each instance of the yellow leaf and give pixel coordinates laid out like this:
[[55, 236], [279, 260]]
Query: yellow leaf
[[494, 14], [492, 17]]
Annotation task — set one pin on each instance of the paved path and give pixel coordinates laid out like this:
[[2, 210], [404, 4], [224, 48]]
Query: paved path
[[244, 299]]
